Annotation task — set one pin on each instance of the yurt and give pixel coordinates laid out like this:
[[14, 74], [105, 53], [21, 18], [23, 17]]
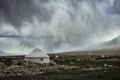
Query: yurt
[[37, 56]]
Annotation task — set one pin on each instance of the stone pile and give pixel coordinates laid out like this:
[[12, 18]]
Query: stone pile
[[31, 69]]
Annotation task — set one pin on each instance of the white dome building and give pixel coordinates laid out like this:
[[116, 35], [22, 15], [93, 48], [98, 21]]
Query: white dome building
[[38, 56]]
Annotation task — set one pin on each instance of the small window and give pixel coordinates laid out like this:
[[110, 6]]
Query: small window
[[41, 59]]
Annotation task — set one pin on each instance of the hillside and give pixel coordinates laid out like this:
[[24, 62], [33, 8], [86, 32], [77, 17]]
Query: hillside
[[112, 44], [111, 47]]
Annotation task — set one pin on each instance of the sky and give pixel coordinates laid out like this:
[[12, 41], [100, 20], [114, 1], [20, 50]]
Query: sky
[[57, 25]]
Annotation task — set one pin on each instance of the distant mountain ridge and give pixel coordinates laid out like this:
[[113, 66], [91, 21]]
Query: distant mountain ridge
[[2, 53], [112, 44], [111, 47]]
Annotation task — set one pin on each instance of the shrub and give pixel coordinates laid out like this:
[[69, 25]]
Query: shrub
[[8, 62]]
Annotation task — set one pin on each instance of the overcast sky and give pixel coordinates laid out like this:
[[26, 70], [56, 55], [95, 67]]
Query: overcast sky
[[57, 25]]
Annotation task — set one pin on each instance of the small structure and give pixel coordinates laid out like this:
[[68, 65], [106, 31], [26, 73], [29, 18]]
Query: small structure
[[38, 56]]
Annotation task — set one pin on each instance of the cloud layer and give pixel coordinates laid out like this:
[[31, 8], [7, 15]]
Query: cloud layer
[[57, 25]]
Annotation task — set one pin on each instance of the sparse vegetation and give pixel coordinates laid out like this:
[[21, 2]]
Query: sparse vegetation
[[8, 62], [86, 68]]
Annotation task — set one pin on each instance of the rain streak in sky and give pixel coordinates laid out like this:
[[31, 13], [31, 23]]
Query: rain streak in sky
[[57, 25]]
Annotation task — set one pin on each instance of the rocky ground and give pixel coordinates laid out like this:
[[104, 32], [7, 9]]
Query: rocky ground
[[63, 69], [31, 69]]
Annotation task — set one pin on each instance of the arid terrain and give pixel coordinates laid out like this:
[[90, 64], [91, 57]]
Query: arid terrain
[[72, 67]]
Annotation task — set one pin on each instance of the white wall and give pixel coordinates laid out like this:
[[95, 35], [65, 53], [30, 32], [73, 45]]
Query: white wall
[[45, 60]]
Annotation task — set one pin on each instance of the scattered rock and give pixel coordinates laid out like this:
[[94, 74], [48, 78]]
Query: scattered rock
[[32, 68]]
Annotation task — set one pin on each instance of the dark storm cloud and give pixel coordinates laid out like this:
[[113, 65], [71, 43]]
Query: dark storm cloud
[[116, 7], [57, 25], [18, 11], [9, 36]]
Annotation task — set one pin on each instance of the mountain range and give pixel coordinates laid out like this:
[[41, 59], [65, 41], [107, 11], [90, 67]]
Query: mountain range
[[111, 44]]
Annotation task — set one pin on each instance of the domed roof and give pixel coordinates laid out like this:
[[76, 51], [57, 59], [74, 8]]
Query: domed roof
[[37, 49], [37, 53]]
